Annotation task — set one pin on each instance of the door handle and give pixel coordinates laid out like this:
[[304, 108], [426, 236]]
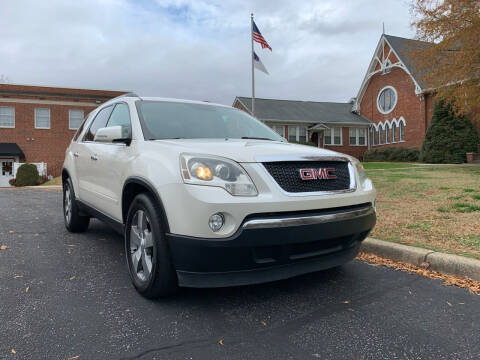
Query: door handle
[[94, 157], [76, 154]]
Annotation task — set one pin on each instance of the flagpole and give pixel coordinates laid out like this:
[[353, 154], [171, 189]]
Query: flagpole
[[253, 73]]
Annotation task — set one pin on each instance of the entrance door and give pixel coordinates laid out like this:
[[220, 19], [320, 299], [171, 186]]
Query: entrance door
[[6, 172]]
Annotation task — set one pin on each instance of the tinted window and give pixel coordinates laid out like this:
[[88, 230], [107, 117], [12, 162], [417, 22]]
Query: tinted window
[[169, 120], [100, 121], [121, 117]]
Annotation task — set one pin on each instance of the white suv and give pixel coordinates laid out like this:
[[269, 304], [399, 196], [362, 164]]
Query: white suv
[[207, 196]]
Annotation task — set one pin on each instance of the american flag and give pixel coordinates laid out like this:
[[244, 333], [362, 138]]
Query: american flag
[[257, 36]]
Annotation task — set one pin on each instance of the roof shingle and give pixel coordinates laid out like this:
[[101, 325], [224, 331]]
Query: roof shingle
[[303, 111]]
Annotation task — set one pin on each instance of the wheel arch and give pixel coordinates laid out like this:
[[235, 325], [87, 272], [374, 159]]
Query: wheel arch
[[134, 186], [65, 175]]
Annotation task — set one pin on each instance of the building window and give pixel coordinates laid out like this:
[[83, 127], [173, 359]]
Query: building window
[[7, 117], [279, 129], [380, 135], [332, 136], [394, 132], [387, 134], [402, 131], [387, 67], [357, 136], [352, 134], [75, 119], [386, 100], [42, 118], [362, 134], [302, 136], [373, 136], [297, 133]]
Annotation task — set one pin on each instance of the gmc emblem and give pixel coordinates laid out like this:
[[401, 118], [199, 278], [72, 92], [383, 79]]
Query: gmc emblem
[[320, 174]]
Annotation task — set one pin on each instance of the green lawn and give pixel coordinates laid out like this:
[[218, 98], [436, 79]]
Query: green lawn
[[387, 165], [54, 181], [434, 207]]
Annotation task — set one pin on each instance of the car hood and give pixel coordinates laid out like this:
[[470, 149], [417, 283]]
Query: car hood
[[243, 150]]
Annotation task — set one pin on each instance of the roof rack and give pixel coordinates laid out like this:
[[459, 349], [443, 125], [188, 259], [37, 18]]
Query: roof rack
[[130, 94]]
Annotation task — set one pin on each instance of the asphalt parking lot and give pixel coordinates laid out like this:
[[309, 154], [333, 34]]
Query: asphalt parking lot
[[80, 305]]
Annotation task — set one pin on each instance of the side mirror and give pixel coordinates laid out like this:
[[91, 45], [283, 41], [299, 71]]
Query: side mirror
[[111, 134]]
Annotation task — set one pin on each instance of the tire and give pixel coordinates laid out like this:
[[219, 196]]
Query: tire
[[147, 251], [74, 222]]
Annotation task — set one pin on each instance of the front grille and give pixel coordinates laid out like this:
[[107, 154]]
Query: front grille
[[287, 175]]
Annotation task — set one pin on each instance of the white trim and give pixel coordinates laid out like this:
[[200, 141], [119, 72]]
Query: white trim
[[332, 136], [357, 136], [297, 132], [46, 102], [35, 118], [371, 71], [394, 104]]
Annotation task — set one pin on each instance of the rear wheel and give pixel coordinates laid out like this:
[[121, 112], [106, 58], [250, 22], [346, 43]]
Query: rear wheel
[[74, 222], [147, 251]]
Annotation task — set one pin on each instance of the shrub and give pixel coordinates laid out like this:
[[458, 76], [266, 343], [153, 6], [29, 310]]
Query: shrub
[[403, 154], [11, 182], [27, 175], [449, 137]]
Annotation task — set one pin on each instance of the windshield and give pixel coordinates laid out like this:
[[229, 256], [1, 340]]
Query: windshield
[[172, 120]]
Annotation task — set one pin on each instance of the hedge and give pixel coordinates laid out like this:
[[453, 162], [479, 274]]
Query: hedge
[[403, 154], [449, 137], [27, 175]]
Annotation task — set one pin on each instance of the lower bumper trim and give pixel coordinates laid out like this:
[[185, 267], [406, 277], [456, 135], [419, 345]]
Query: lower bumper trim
[[266, 274]]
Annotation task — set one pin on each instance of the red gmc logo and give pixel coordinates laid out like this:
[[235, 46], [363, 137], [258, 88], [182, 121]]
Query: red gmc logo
[[320, 174]]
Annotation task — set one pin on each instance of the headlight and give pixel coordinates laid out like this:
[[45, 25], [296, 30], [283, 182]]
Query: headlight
[[365, 182], [215, 171]]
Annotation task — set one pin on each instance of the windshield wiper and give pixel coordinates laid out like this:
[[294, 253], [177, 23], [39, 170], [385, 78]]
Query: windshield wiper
[[256, 138]]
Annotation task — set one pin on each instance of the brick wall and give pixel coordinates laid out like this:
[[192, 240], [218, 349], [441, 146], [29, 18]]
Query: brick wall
[[345, 148], [411, 107], [46, 145]]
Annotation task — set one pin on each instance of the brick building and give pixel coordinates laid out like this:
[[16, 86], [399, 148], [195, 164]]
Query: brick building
[[37, 123], [329, 125], [392, 103]]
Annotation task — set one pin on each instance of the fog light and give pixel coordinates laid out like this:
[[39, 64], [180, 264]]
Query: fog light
[[216, 222]]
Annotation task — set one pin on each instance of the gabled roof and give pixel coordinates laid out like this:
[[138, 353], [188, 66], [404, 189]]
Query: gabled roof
[[403, 52], [404, 48], [310, 112], [11, 149]]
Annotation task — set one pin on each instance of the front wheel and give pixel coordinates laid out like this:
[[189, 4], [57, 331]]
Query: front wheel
[[147, 251], [74, 221]]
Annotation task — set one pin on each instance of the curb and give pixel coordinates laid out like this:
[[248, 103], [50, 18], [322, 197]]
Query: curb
[[441, 262]]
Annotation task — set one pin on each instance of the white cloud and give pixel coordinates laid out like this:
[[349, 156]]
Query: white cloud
[[196, 49]]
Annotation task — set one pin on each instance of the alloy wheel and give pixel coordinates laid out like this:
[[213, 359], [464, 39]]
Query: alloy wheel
[[141, 246], [68, 204]]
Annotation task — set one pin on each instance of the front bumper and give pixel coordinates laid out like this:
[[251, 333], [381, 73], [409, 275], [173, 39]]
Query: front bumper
[[273, 246]]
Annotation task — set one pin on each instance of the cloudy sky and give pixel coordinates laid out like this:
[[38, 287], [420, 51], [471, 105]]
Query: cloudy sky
[[197, 49]]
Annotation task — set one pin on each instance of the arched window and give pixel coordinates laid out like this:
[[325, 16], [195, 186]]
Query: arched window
[[402, 131], [380, 135], [394, 132], [386, 100], [373, 136], [387, 134]]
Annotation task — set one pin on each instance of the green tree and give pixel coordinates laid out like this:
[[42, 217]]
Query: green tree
[[451, 65], [449, 137]]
